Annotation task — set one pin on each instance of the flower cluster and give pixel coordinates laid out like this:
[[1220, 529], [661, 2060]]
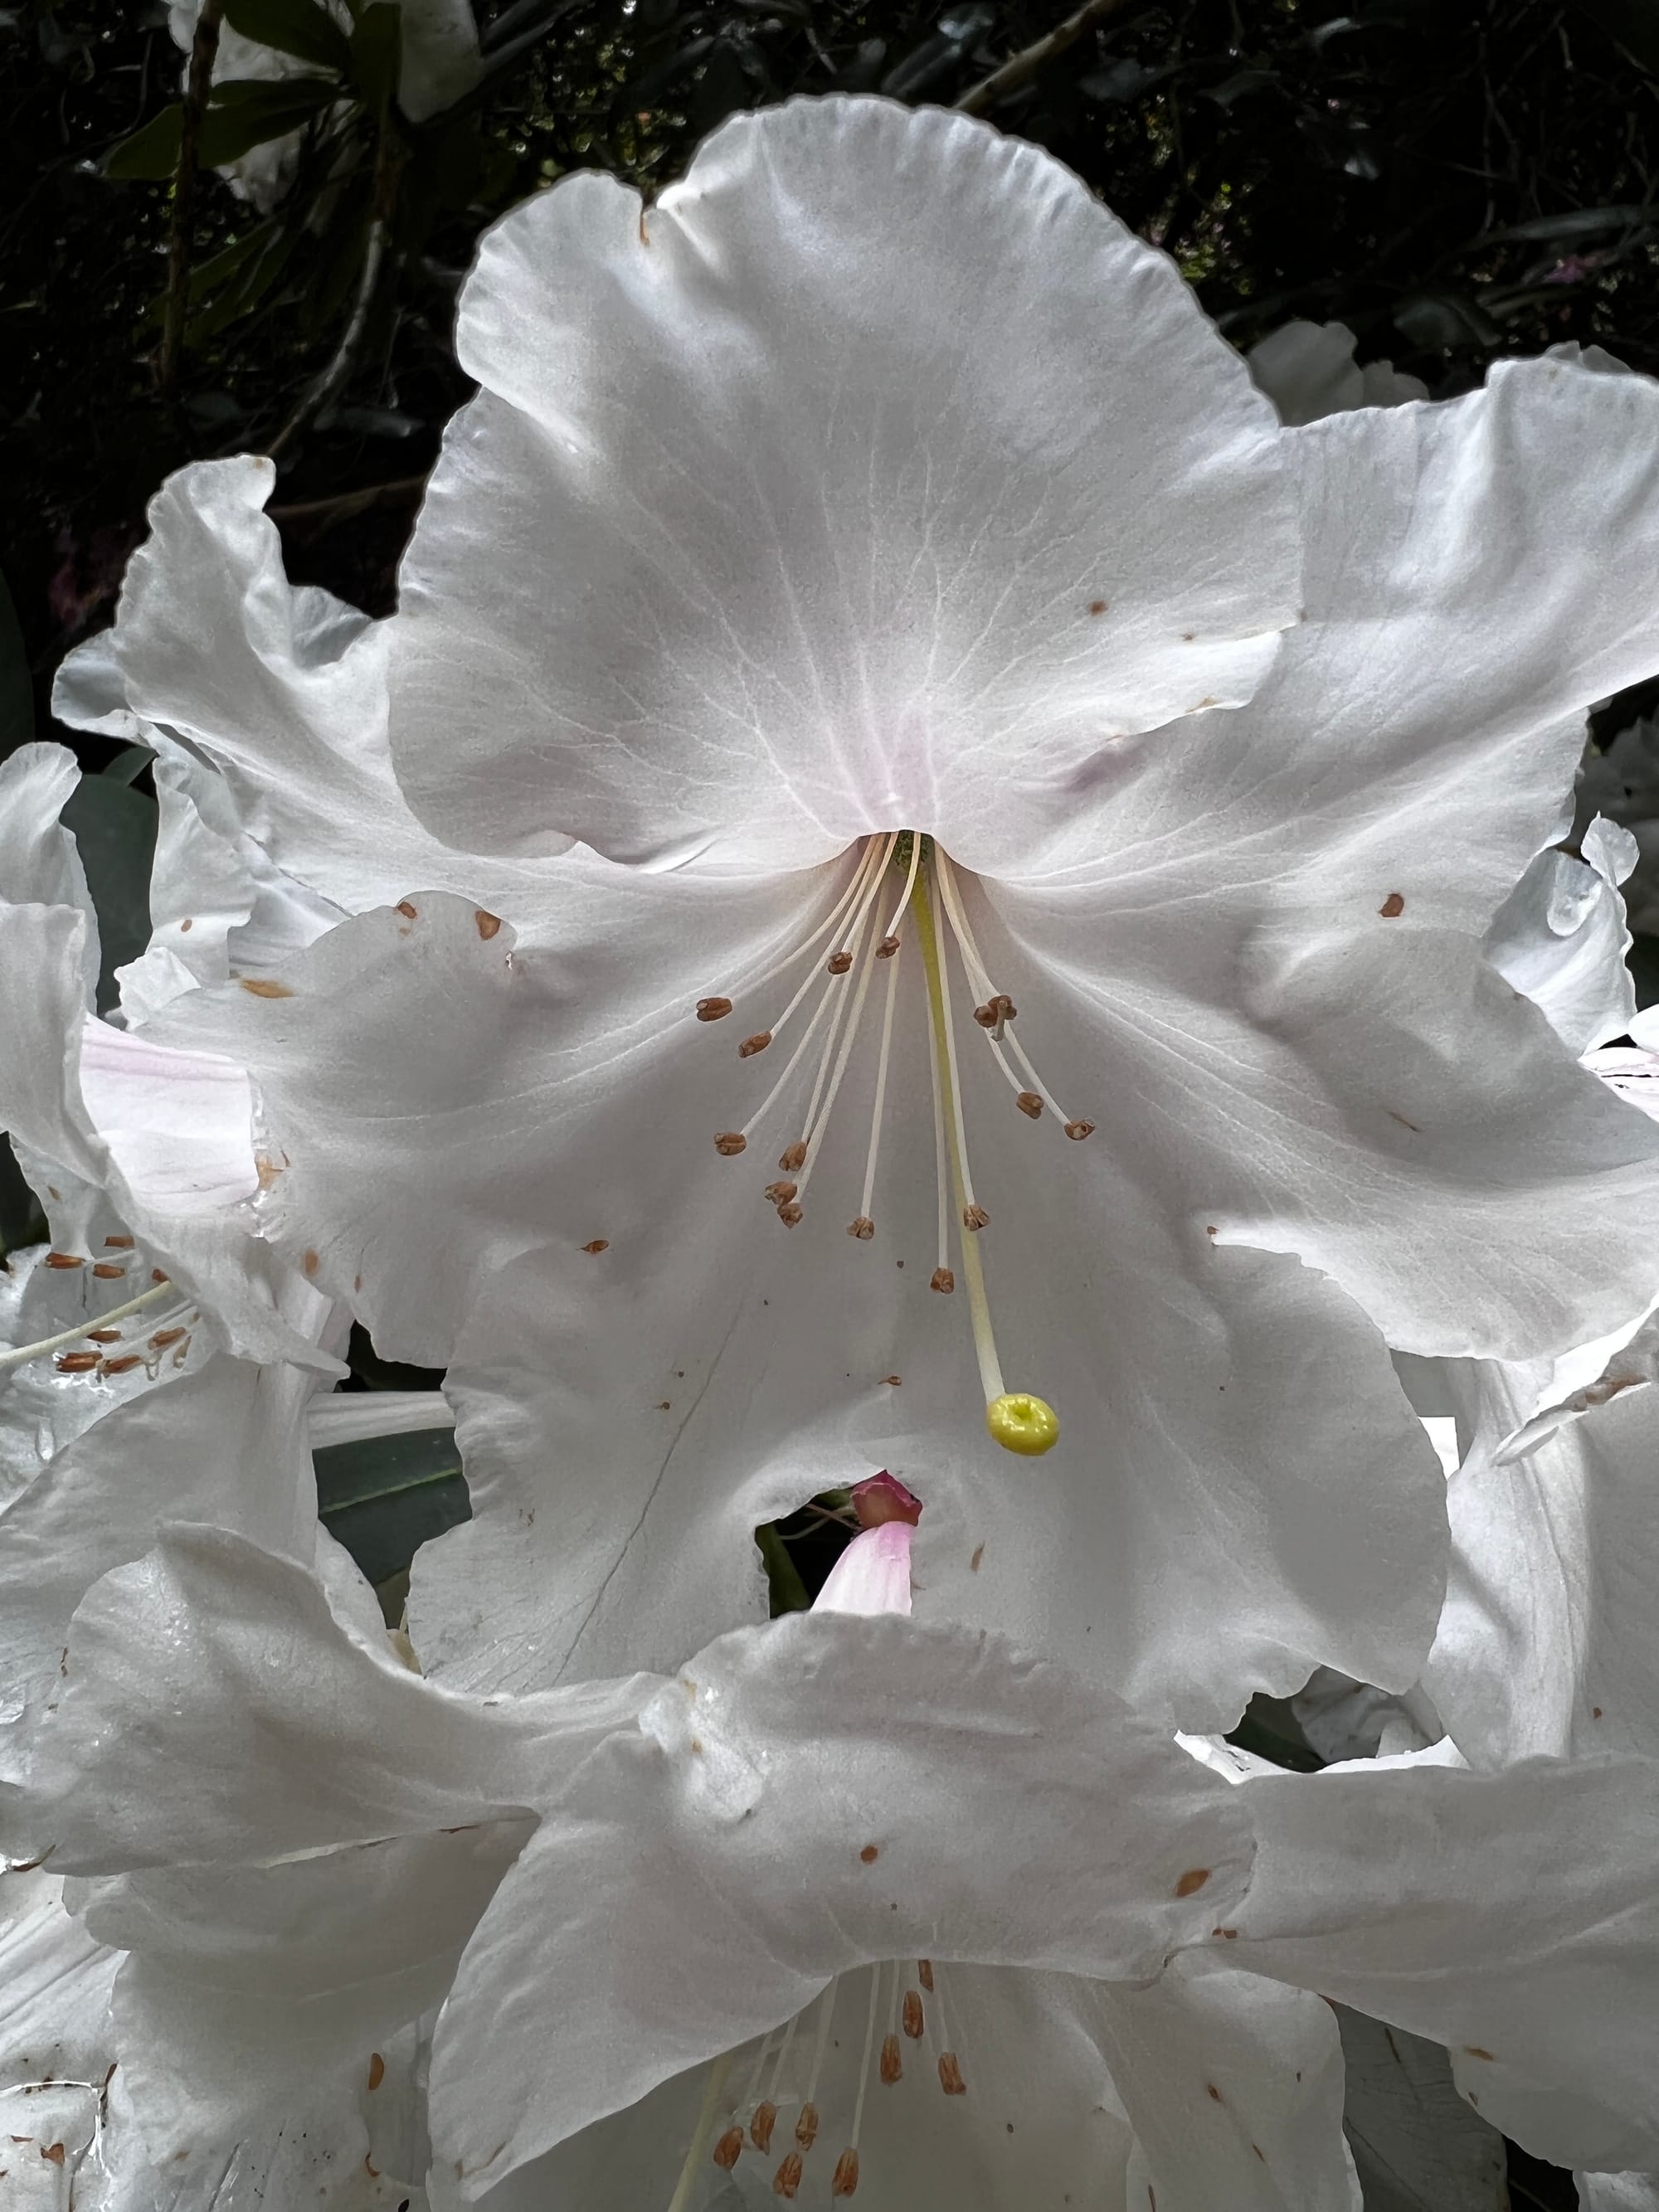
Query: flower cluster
[[940, 891]]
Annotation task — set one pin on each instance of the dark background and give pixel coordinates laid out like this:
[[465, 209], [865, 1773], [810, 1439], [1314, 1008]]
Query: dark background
[[1455, 180]]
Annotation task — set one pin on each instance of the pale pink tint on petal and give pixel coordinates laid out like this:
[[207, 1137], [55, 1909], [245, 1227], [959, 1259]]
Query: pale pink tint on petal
[[884, 1498], [873, 1574]]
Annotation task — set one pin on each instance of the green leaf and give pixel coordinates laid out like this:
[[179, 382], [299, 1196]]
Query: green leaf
[[376, 53], [129, 764], [16, 690], [152, 151], [22, 1221], [115, 829], [300, 27], [384, 1497], [243, 113], [788, 1591]]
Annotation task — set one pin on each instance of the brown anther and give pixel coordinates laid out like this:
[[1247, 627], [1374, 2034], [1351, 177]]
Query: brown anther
[[942, 1278], [163, 1336], [861, 1227], [713, 1010], [924, 1974], [912, 2015], [106, 1335], [887, 948], [124, 1365], [760, 2127], [729, 2149], [408, 908], [790, 1214], [995, 1011], [892, 2066], [78, 1362], [157, 1274], [486, 924], [119, 1244], [751, 1045], [846, 2179], [793, 1158], [1077, 1131], [807, 2127], [949, 2075], [108, 1271], [985, 1016], [597, 1244], [65, 1260], [730, 1142], [1029, 1104], [780, 1194], [787, 2180], [838, 963], [973, 1217]]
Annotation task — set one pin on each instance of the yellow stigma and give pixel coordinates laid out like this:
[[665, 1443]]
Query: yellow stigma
[[1022, 1424]]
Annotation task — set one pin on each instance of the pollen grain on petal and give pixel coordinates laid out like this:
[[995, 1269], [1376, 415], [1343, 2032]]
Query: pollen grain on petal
[[264, 986], [597, 1244], [807, 2127], [108, 1273], [119, 1244], [485, 923], [376, 2070], [780, 1194], [912, 2015], [76, 1363], [887, 948], [924, 1974], [311, 1262], [1392, 907], [1192, 1882], [65, 1260], [408, 908]]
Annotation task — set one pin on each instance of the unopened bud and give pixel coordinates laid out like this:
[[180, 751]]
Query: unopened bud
[[942, 1278], [730, 1142], [863, 1228]]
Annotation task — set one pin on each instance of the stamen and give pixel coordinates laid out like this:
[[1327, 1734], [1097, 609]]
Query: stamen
[[942, 1280], [867, 969], [892, 2066], [807, 2127], [705, 2128], [846, 899], [949, 2071], [850, 913], [788, 1163], [24, 1352], [864, 1214], [847, 2166], [890, 935], [1018, 1421]]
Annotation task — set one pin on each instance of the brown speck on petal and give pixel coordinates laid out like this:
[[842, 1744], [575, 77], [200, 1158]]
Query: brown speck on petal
[[596, 1244], [729, 2149], [665, 1405], [1228, 1934], [892, 2065], [485, 923], [893, 1380], [751, 1045], [911, 2017], [730, 1142], [787, 2180], [862, 1227], [1260, 2153], [1192, 1882], [973, 1564], [264, 986], [1392, 907], [311, 1262], [975, 1217], [267, 1170], [376, 2070], [357, 1282], [838, 963], [65, 1260], [1215, 2093], [760, 2127], [793, 1158], [845, 2179], [157, 1274], [1096, 606], [187, 923], [713, 1010], [53, 2154], [1029, 1104], [1473, 2050], [950, 2075], [942, 1278], [409, 910], [1596, 1713], [870, 1854], [1077, 1131]]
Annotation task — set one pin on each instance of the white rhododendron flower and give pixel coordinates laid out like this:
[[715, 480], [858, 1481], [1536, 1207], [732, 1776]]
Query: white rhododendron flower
[[1308, 370], [843, 581], [643, 1905]]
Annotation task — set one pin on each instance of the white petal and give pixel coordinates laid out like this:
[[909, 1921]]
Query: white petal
[[787, 502], [1560, 938], [1619, 2192], [1415, 2142], [1510, 1917], [708, 1882]]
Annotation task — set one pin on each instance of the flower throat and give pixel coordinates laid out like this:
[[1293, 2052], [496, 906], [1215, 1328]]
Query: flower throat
[[931, 904]]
